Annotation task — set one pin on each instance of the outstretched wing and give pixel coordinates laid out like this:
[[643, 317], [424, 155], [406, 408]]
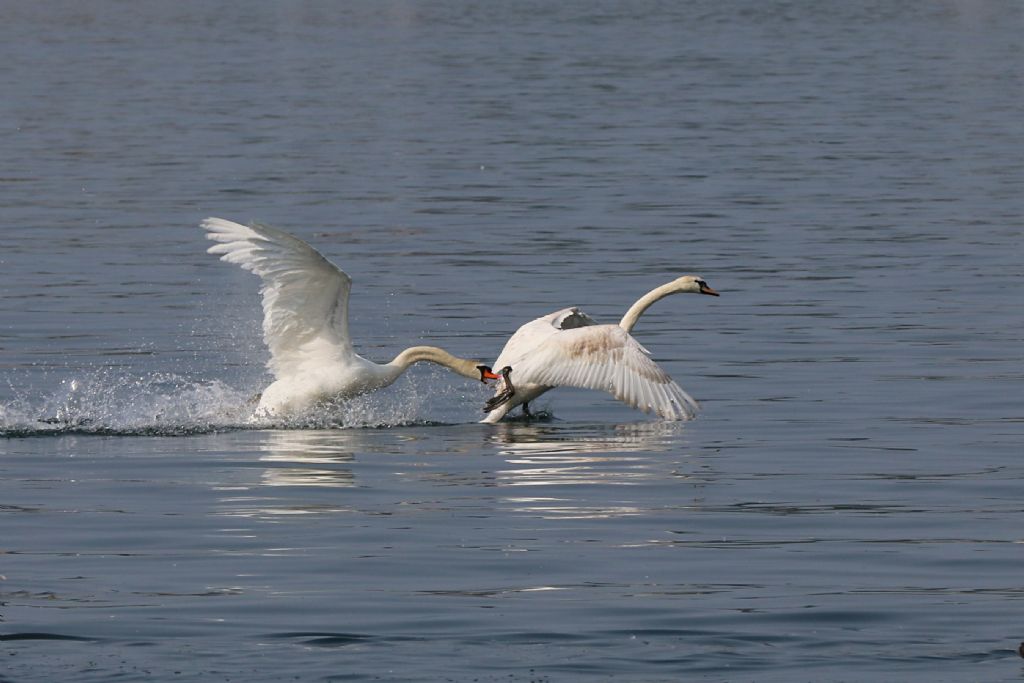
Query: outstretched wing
[[606, 358], [305, 296]]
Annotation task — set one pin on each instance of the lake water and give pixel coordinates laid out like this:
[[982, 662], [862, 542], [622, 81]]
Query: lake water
[[846, 507]]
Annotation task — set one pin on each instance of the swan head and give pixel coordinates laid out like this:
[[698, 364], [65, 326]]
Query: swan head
[[693, 284]]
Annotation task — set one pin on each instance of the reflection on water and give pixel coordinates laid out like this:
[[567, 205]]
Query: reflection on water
[[313, 459], [616, 455], [564, 508], [309, 458], [545, 456], [529, 439], [583, 471]]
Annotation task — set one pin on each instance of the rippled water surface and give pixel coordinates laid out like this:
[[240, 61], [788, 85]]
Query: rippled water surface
[[847, 506]]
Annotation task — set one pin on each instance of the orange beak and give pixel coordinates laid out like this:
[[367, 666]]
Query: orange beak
[[486, 373]]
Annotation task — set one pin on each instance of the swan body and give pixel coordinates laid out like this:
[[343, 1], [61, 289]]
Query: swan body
[[569, 348], [305, 322]]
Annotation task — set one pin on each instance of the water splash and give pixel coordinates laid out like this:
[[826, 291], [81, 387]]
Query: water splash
[[104, 402]]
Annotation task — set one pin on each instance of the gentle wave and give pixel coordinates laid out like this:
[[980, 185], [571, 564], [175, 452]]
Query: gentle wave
[[43, 636]]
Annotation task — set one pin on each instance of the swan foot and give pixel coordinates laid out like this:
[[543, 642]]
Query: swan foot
[[526, 411], [505, 395]]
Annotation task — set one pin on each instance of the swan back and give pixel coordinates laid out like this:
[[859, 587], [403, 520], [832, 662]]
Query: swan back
[[534, 333]]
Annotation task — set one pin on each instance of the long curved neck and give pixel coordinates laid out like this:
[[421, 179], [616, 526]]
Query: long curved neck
[[432, 354], [643, 303]]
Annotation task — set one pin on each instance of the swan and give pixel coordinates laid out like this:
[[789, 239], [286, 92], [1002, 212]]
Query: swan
[[568, 348], [305, 322]]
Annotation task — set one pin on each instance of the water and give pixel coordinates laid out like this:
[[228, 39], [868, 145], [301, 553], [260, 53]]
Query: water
[[846, 507]]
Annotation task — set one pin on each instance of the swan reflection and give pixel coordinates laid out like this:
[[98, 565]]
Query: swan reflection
[[308, 458], [528, 439], [547, 456], [296, 458]]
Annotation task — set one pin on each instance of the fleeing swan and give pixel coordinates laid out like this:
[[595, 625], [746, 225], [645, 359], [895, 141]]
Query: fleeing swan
[[305, 322], [568, 348]]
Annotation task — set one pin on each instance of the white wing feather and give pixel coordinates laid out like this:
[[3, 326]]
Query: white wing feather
[[305, 296], [605, 358]]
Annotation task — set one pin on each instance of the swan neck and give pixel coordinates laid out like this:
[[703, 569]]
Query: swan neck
[[629, 320], [432, 354]]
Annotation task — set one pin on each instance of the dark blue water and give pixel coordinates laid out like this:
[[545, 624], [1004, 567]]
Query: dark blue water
[[846, 507]]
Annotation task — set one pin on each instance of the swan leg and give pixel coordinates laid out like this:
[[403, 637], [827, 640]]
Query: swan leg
[[526, 410]]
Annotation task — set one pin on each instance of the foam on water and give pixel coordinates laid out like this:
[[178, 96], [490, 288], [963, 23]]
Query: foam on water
[[101, 401], [104, 402]]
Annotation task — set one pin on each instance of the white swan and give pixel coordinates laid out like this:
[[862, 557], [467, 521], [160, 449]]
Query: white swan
[[568, 348], [305, 322]]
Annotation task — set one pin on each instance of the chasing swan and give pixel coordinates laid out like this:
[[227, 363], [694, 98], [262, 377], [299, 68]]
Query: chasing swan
[[305, 322]]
